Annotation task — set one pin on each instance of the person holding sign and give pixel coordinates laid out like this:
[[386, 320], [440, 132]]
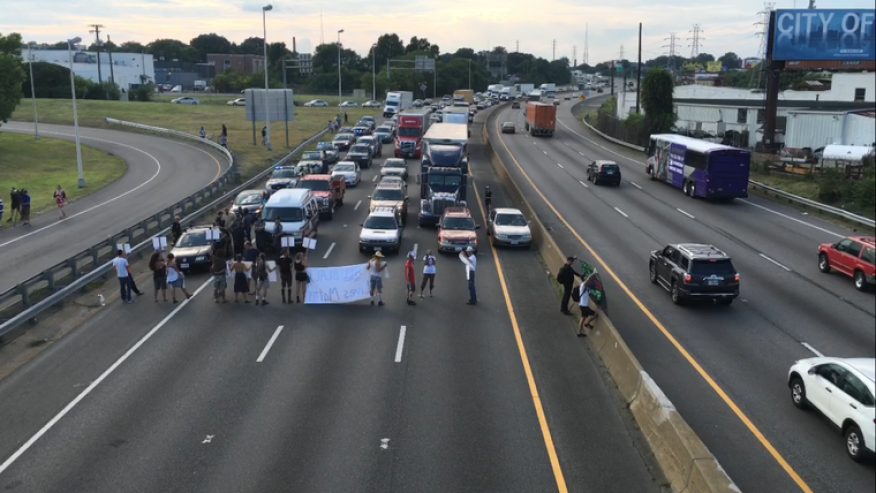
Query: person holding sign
[[376, 266], [471, 263], [428, 273], [588, 314], [241, 283], [220, 283], [159, 274], [262, 269], [284, 264], [301, 277]]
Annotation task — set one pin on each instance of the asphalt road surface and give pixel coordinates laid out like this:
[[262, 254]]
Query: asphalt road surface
[[160, 173], [340, 400], [787, 310]]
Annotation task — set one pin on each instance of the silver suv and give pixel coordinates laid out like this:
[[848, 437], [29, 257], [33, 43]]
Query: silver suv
[[381, 231]]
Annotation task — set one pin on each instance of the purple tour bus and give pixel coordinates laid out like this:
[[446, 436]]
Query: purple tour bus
[[699, 168]]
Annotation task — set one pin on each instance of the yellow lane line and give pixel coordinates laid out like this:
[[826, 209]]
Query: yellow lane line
[[690, 359], [530, 379]]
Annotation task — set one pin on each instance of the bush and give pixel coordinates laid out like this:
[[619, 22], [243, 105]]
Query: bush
[[833, 186], [143, 93], [864, 191]]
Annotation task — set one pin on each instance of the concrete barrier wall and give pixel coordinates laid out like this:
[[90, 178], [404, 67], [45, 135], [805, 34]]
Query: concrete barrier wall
[[687, 463]]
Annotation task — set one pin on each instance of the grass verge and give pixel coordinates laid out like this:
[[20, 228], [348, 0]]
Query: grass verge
[[251, 158], [41, 165]]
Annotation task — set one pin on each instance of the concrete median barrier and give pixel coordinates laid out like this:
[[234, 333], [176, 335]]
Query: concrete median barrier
[[687, 463]]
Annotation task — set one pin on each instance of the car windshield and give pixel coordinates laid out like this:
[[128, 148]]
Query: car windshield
[[368, 119], [510, 220], [248, 199], [311, 156], [188, 240], [368, 141], [360, 128], [383, 131], [380, 222], [344, 168], [393, 164], [360, 149], [450, 180], [284, 173], [409, 132], [391, 194], [508, 124], [459, 223], [286, 214], [317, 185], [344, 138], [708, 267]]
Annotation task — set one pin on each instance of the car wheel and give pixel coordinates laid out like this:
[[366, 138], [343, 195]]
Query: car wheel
[[855, 443], [798, 393], [675, 293], [693, 189], [685, 188], [652, 272], [824, 263], [860, 281]]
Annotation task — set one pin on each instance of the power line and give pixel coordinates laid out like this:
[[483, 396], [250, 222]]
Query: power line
[[697, 37]]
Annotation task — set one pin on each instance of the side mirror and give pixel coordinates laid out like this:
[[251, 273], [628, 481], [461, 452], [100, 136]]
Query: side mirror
[[362, 224], [477, 226], [369, 195], [834, 246], [812, 371]]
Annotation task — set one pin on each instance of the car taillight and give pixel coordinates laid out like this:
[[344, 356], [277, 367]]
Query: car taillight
[[737, 277], [687, 278]]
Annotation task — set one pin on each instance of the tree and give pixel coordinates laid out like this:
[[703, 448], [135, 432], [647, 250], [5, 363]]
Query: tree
[[730, 60], [657, 91], [11, 74], [252, 46], [703, 58], [466, 53], [172, 49], [389, 46], [50, 81], [103, 46], [206, 44], [420, 44], [131, 47]]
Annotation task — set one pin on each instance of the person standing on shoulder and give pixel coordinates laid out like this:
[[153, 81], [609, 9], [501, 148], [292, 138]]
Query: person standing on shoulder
[[25, 208], [120, 263], [428, 273], [376, 267], [15, 206], [411, 278], [223, 141], [203, 133], [264, 134], [588, 314], [566, 279], [470, 260], [60, 197]]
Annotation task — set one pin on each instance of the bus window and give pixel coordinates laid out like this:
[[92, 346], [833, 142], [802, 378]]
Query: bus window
[[652, 147], [694, 159]]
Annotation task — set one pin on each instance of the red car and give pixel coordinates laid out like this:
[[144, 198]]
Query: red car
[[457, 230], [853, 256]]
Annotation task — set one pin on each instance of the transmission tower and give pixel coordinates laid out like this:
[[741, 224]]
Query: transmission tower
[[695, 40], [586, 57], [763, 31], [671, 53]]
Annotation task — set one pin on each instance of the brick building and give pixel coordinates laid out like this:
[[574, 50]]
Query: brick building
[[247, 64]]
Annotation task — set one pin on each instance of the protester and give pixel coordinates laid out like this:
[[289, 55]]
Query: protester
[[241, 284], [159, 274], [247, 225], [203, 133], [376, 266], [121, 265], [301, 278], [218, 268], [224, 130], [566, 278], [250, 254], [220, 219], [264, 134], [411, 278], [284, 264], [278, 234], [60, 197], [1, 212], [588, 315], [471, 263], [175, 278], [223, 141], [25, 208], [262, 275], [176, 229], [261, 235], [428, 273], [15, 205]]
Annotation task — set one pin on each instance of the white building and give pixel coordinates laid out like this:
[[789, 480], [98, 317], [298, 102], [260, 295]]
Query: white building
[[842, 115], [126, 69]]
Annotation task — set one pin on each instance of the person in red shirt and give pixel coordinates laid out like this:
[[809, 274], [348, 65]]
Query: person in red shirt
[[410, 278]]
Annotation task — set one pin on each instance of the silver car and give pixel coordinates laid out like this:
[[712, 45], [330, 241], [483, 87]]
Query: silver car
[[509, 227], [349, 171], [395, 167]]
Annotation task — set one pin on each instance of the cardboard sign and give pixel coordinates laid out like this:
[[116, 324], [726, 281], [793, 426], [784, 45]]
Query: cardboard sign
[[272, 275], [213, 234], [126, 247], [159, 243], [287, 242], [309, 243]]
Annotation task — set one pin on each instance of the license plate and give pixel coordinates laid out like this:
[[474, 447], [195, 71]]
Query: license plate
[[377, 249], [458, 249], [184, 266], [713, 283], [515, 242], [609, 172]]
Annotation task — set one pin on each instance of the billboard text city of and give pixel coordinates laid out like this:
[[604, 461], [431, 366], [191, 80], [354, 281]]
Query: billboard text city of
[[823, 34]]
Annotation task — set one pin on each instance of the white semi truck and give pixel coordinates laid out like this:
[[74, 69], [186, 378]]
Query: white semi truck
[[508, 93], [397, 102]]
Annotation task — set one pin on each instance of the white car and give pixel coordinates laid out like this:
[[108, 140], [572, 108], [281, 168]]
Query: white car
[[372, 104], [841, 389], [349, 171], [237, 102], [382, 230], [316, 103], [186, 100], [509, 227], [348, 104]]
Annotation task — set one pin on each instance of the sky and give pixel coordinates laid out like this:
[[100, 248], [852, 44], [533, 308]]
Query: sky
[[452, 24]]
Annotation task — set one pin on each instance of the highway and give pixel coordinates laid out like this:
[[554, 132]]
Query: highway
[[725, 368], [498, 397], [160, 173]]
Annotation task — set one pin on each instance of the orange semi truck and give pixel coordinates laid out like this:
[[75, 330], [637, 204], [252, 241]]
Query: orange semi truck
[[541, 118]]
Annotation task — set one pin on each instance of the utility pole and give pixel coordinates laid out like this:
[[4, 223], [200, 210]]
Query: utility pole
[[518, 46], [96, 32], [575, 56], [695, 45], [110, 51], [586, 58], [621, 53], [671, 52], [554, 56], [639, 74]]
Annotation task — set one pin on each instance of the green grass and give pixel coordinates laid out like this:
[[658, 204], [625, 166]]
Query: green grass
[[251, 158], [223, 99], [797, 185], [39, 166]]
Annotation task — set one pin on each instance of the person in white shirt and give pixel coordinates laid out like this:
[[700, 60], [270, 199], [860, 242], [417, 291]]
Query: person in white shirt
[[428, 273], [471, 264], [120, 263], [376, 266], [588, 314]]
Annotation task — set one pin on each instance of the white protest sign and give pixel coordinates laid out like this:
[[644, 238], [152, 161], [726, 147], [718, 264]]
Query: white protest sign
[[287, 242], [272, 276], [334, 285], [159, 243], [126, 247], [213, 234], [249, 272]]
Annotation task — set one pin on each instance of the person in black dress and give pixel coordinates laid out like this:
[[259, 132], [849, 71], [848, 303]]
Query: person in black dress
[[301, 277], [284, 263]]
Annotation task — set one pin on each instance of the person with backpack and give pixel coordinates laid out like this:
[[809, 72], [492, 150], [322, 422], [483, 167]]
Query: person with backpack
[[588, 314], [566, 279], [262, 271]]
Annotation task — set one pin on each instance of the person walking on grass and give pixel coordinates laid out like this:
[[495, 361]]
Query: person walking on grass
[[60, 197], [411, 278], [566, 279], [284, 264], [159, 274], [219, 268], [301, 277], [25, 208], [428, 273], [241, 283], [264, 134], [588, 314], [120, 263], [376, 267], [262, 274], [175, 278]]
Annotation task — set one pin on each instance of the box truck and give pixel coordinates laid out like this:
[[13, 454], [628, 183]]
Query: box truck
[[508, 93], [525, 89], [396, 102], [541, 119], [466, 95], [412, 126]]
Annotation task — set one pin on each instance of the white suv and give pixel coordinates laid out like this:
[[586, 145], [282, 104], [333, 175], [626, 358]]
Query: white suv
[[842, 390], [381, 231]]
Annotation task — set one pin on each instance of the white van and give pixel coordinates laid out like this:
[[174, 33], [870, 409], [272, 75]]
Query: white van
[[298, 210]]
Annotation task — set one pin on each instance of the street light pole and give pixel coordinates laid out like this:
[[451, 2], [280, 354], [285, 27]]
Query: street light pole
[[469, 74], [374, 72], [36, 126], [265, 10], [339, 76], [70, 43]]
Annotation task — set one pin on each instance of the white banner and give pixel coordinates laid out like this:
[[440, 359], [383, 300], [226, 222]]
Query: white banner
[[333, 285]]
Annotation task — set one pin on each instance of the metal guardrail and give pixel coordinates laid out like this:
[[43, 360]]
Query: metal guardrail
[[156, 225], [827, 209]]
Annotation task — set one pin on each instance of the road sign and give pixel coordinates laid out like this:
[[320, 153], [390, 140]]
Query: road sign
[[583, 97], [423, 87]]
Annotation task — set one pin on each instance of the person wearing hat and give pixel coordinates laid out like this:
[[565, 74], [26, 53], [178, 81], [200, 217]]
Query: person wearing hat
[[428, 273], [471, 263], [411, 278], [488, 199], [566, 279], [376, 266]]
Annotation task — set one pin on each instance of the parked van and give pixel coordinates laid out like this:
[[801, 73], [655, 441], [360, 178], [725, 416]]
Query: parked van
[[298, 210]]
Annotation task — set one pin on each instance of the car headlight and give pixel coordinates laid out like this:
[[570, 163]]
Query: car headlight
[[502, 237], [200, 258]]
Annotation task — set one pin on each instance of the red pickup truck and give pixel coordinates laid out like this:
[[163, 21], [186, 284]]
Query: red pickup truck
[[330, 193]]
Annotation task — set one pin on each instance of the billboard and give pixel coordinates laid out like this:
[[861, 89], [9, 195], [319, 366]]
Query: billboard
[[278, 105], [714, 67], [823, 35]]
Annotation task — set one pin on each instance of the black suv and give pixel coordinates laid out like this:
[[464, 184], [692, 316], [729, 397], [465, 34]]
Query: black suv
[[604, 172], [695, 271]]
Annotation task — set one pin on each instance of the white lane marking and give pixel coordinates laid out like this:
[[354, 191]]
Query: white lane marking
[[269, 344], [329, 251], [560, 165], [545, 152], [208, 439], [534, 143], [635, 185], [774, 262], [384, 443], [812, 349], [401, 344], [622, 213], [566, 144], [157, 171], [357, 205], [788, 217], [685, 213], [48, 426], [375, 178], [585, 185], [581, 153]]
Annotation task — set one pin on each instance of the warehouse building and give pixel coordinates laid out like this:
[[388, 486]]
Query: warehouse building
[[128, 70]]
